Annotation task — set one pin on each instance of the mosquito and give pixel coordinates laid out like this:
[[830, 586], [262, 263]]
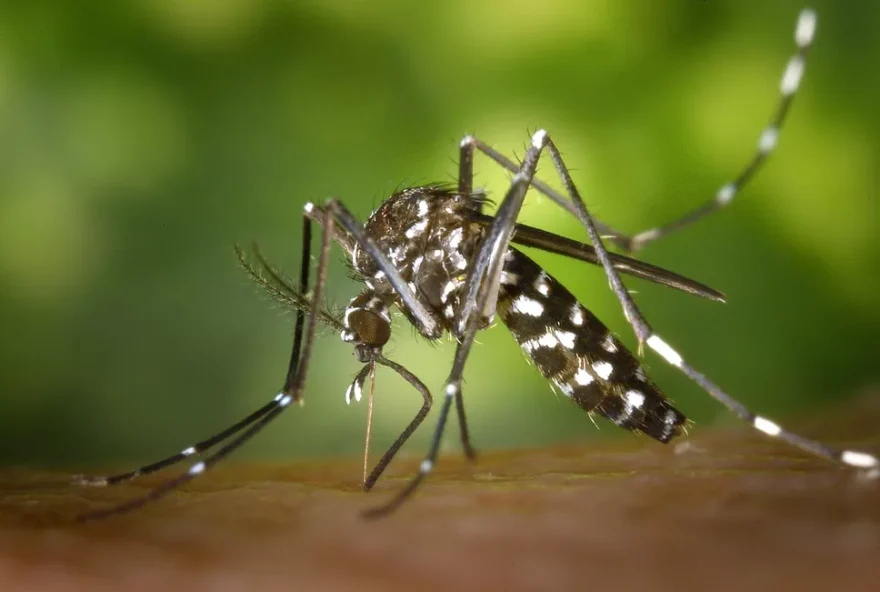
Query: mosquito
[[431, 253]]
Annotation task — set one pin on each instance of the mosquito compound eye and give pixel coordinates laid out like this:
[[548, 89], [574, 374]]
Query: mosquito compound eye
[[370, 327]]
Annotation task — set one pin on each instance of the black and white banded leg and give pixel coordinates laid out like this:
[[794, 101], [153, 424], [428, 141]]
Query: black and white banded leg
[[205, 445], [292, 391], [646, 335], [791, 79], [372, 332], [767, 142]]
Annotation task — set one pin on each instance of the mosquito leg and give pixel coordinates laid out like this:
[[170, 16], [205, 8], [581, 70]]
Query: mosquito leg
[[195, 449], [292, 390], [646, 335], [194, 470], [466, 165], [296, 367], [469, 451], [465, 187], [204, 445], [853, 458], [546, 190], [788, 86], [791, 78], [413, 425], [481, 296]]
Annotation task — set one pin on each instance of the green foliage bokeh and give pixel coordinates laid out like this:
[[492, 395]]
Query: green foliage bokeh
[[140, 140]]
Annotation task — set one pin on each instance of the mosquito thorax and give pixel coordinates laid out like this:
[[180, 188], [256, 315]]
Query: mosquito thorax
[[429, 238]]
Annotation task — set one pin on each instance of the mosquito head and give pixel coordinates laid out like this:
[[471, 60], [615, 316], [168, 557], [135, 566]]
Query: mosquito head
[[367, 324], [369, 327]]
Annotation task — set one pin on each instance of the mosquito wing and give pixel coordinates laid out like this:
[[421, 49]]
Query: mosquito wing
[[553, 243]]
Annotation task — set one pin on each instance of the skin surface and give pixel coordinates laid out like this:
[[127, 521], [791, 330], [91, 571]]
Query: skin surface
[[726, 510]]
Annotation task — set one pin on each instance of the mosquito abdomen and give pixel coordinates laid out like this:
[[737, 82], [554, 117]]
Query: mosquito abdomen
[[573, 349]]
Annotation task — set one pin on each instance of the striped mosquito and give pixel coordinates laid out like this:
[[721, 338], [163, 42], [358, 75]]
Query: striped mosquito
[[432, 253]]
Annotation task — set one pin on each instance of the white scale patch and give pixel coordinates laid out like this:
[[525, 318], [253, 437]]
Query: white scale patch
[[416, 229], [582, 377], [423, 208], [602, 369], [663, 348], [577, 315], [509, 279], [634, 400], [566, 338], [858, 459], [769, 138], [348, 312], [806, 27], [791, 78], [541, 285], [548, 340], [539, 139], [448, 289], [527, 306], [459, 261], [397, 254], [348, 394], [455, 238], [725, 194], [767, 426], [608, 344], [354, 389]]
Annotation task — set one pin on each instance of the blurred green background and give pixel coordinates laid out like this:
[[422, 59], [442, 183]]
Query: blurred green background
[[140, 140]]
